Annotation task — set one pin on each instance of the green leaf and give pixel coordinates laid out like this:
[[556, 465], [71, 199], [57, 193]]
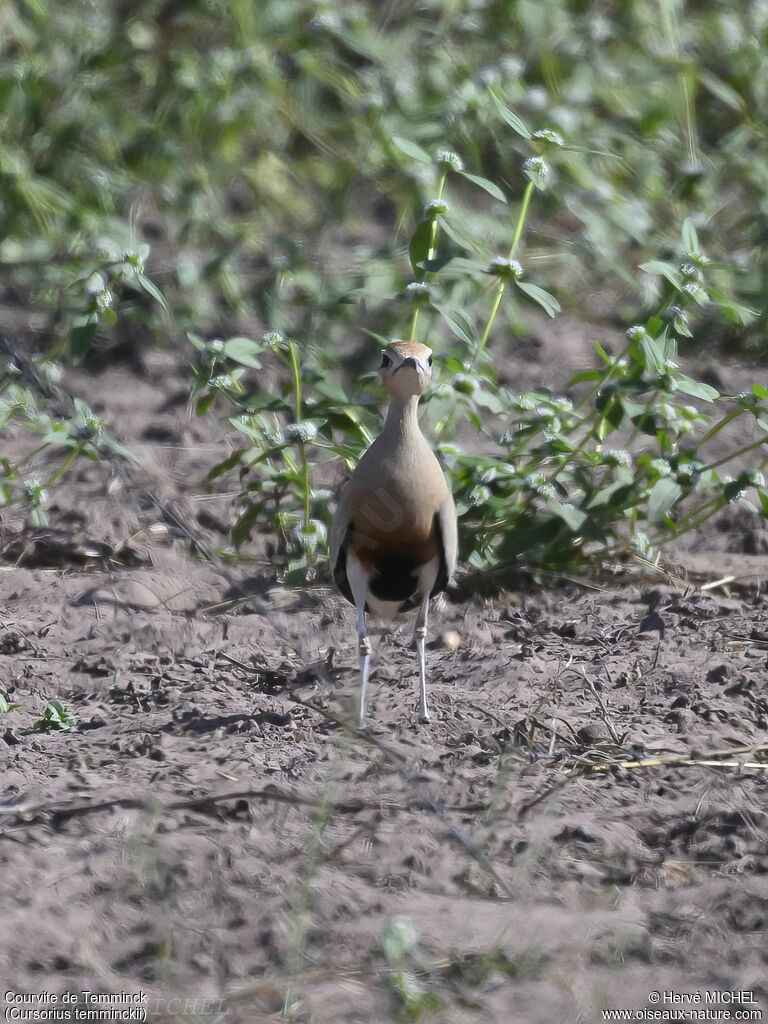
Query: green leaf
[[419, 247], [612, 416], [697, 389], [662, 497], [80, 340], [585, 376], [574, 518], [760, 391], [690, 238], [483, 183], [601, 352], [241, 531], [224, 466], [721, 90], [667, 270], [243, 351], [151, 289], [511, 118], [204, 403], [454, 318], [657, 351], [615, 494], [411, 149], [55, 716], [735, 311], [548, 302]]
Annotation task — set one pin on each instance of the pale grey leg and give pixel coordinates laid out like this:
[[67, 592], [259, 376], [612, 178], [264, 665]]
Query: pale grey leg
[[358, 584], [420, 635], [365, 661]]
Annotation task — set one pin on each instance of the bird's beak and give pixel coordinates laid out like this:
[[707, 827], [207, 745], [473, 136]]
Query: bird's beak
[[412, 362]]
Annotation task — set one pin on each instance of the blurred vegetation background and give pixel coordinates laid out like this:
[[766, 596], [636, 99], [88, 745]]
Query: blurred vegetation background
[[213, 169], [253, 147]]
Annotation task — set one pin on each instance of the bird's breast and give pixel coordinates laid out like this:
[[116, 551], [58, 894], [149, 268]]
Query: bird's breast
[[392, 505]]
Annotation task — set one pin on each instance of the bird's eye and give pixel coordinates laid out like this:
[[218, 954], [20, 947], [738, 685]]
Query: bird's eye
[[429, 361], [385, 360]]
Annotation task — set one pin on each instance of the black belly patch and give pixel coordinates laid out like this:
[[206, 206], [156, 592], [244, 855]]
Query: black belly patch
[[395, 578]]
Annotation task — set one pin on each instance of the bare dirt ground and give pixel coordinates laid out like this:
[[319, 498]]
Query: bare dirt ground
[[582, 825]]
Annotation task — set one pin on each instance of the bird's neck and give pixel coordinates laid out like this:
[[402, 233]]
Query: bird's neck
[[402, 418]]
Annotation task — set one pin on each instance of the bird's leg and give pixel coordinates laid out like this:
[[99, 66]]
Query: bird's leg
[[365, 660], [420, 636], [358, 584]]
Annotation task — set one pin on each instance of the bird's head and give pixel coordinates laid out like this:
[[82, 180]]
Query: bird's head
[[406, 368]]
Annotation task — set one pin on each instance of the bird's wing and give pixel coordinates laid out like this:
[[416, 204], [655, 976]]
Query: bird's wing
[[338, 545], [446, 534]]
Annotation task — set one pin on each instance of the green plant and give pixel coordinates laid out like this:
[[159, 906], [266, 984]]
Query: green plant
[[64, 432], [547, 491], [5, 707], [280, 164], [554, 495], [56, 717], [311, 421], [399, 945]]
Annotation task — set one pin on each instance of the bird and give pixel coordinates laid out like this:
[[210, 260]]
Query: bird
[[393, 542]]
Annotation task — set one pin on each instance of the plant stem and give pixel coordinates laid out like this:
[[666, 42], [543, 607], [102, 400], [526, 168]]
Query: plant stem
[[723, 423], [414, 322], [432, 251], [521, 218], [296, 378], [501, 285], [70, 458], [735, 454], [305, 484]]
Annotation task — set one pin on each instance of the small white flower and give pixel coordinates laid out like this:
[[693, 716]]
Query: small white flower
[[304, 432], [449, 158], [435, 208], [490, 76], [310, 538], [636, 333], [562, 404], [273, 339], [503, 267], [478, 495], [548, 135], [691, 272], [327, 20], [539, 483], [418, 290], [618, 456], [537, 169]]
